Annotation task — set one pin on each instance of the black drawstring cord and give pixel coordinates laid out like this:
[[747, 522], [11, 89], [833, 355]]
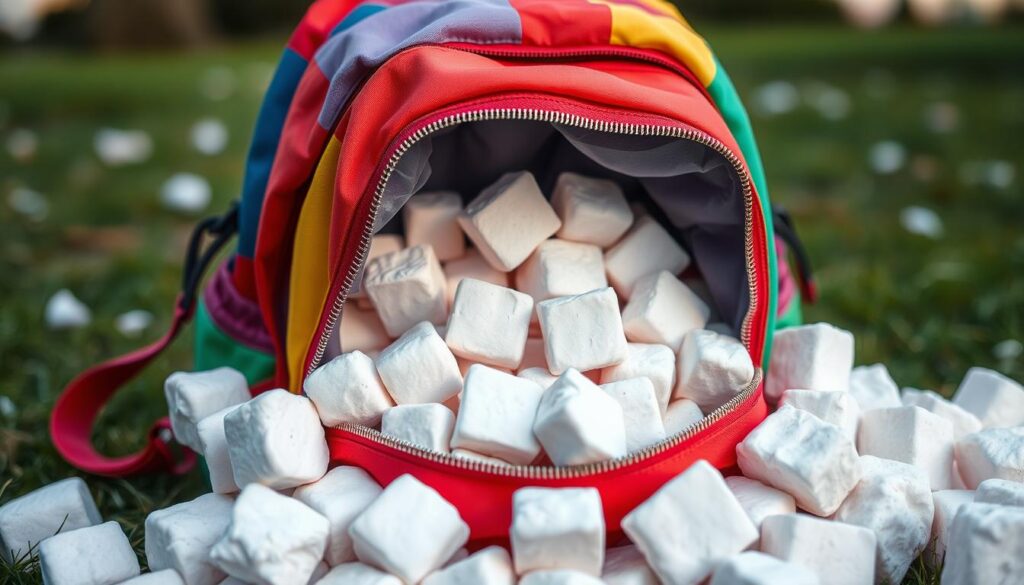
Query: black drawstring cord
[[222, 228], [786, 230]]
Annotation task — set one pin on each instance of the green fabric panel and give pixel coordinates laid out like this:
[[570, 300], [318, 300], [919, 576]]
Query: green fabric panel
[[214, 348], [794, 314]]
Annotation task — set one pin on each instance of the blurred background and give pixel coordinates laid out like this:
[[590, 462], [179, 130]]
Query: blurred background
[[891, 130]]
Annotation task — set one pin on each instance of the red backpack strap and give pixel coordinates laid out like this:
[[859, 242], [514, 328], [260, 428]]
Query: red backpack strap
[[76, 410]]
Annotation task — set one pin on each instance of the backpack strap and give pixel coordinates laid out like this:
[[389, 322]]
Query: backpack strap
[[76, 410]]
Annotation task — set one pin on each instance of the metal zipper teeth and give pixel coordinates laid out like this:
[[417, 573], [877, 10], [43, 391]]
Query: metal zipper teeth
[[552, 117], [533, 472]]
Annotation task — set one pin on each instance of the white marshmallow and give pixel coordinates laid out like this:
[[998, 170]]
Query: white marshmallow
[[894, 500], [810, 357], [557, 528], [964, 423], [347, 389], [559, 577], [626, 565], [578, 423], [474, 456], [62, 506], [645, 249], [640, 412], [991, 453], [663, 310], [582, 332], [471, 265], [558, 268], [276, 439], [192, 396], [946, 503], [490, 566], [1000, 491], [759, 500], [427, 426], [681, 415], [380, 245], [713, 369], [690, 525], [911, 435], [655, 362], [165, 577], [272, 539], [358, 574], [992, 397], [838, 408], [407, 287], [509, 219], [539, 376], [94, 555], [754, 568], [593, 211], [489, 323], [872, 387], [339, 496], [533, 354], [214, 443], [180, 537], [419, 368], [361, 330], [840, 554], [800, 454], [985, 544], [496, 415], [433, 219]]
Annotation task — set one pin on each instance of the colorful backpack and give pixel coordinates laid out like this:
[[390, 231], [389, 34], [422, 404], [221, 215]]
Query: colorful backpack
[[374, 100]]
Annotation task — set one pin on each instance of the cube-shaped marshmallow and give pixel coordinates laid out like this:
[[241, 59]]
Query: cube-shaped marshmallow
[[432, 219], [579, 423], [985, 544], [407, 287], [809, 357], [946, 504], [361, 330], [539, 376], [409, 531], [61, 506], [690, 525], [192, 396], [339, 496], [214, 443], [557, 528], [645, 249], [992, 397], [490, 566], [681, 415], [872, 387], [559, 577], [489, 323], [509, 219], [180, 537], [838, 553], [593, 211], [380, 245], [804, 456], [911, 435], [272, 539], [558, 268], [964, 423], [713, 369], [655, 362], [1000, 491], [582, 332], [991, 453], [276, 440], [93, 555], [640, 411], [468, 455], [357, 574], [347, 389], [838, 408], [755, 568], [419, 368], [471, 265], [626, 565], [427, 426], [164, 577], [758, 500], [663, 310], [496, 415]]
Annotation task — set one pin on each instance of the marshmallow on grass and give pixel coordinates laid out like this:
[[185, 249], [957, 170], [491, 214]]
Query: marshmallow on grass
[[758, 500], [407, 287], [593, 211], [61, 506], [496, 416], [94, 555], [165, 577], [427, 426], [755, 568], [713, 369], [894, 500], [471, 265], [872, 387], [810, 357], [509, 219], [690, 525], [583, 331], [837, 408], [192, 396], [339, 496], [357, 574], [681, 415], [214, 443], [946, 503], [272, 539], [655, 362], [991, 453], [419, 368], [409, 531], [985, 544], [964, 423], [489, 323], [347, 389], [911, 435], [361, 330], [640, 412], [646, 249], [276, 439], [559, 268], [557, 528], [800, 454], [539, 376], [1000, 491], [433, 219], [626, 565], [995, 399], [578, 423], [180, 537], [490, 566], [663, 310], [840, 554]]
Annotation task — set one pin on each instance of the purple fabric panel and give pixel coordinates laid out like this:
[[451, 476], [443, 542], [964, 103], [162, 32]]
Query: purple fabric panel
[[236, 315], [349, 56]]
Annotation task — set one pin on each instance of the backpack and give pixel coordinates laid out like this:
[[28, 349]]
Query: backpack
[[373, 101]]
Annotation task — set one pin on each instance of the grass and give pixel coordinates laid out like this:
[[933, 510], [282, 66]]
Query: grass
[[929, 308]]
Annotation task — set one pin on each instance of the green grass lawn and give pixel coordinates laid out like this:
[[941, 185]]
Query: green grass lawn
[[929, 308]]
